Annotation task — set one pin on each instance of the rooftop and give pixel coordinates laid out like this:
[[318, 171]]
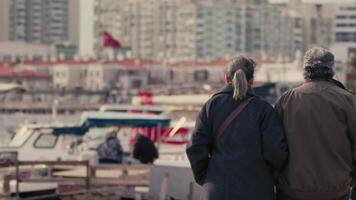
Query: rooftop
[[10, 72]]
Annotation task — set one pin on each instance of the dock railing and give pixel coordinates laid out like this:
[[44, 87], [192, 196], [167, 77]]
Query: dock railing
[[81, 174], [9, 169], [50, 165]]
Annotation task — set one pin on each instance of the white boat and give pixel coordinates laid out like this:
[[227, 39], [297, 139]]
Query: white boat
[[50, 142]]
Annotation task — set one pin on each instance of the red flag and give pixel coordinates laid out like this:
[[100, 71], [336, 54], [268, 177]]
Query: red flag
[[110, 41]]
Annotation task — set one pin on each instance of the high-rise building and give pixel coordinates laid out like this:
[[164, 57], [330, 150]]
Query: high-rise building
[[313, 24], [108, 17], [186, 29], [39, 21], [345, 32], [208, 29], [186, 36], [81, 26], [225, 28], [150, 28], [141, 24], [49, 22]]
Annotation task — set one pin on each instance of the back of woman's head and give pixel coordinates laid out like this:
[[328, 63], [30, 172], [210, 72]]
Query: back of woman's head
[[240, 71]]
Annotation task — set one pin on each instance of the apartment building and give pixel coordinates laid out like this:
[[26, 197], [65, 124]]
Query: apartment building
[[313, 24], [39, 21], [345, 32], [49, 22], [108, 17]]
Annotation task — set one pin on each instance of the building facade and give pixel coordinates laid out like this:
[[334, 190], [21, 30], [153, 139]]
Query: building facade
[[49, 22], [185, 29], [345, 32], [39, 21], [312, 24]]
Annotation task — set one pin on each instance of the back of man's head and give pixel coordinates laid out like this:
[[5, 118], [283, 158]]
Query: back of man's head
[[318, 64]]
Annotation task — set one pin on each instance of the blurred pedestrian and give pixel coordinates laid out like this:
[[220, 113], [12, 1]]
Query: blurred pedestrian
[[320, 123], [110, 151], [145, 150], [238, 140]]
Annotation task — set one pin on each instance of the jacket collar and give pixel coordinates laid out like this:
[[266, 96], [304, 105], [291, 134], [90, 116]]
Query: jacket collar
[[229, 89], [321, 84], [316, 85]]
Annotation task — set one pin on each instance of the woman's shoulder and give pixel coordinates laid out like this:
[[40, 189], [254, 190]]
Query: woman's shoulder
[[262, 101]]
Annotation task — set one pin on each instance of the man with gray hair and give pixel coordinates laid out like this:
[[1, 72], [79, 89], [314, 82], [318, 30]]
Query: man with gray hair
[[319, 118]]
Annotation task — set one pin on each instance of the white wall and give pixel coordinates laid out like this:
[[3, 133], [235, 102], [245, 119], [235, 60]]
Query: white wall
[[86, 27], [60, 77], [74, 21], [94, 77]]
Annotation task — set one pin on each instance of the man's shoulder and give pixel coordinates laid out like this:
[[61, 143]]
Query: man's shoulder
[[287, 94]]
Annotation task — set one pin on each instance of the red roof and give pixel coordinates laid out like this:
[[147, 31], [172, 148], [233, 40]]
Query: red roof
[[8, 72], [124, 62], [129, 62], [68, 62], [133, 62], [6, 63]]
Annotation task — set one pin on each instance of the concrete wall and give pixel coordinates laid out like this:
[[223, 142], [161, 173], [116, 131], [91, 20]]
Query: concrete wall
[[178, 181], [86, 28]]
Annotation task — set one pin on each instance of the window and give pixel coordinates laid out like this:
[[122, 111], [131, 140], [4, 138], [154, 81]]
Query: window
[[341, 17], [46, 141], [344, 37], [341, 25], [201, 75], [298, 23]]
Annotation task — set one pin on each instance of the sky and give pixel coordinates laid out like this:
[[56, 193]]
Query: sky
[[320, 1]]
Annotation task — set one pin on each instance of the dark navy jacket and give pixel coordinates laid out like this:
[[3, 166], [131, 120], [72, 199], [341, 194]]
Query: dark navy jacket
[[238, 164]]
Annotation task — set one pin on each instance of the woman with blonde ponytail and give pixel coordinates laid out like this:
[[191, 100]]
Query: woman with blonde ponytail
[[238, 143], [239, 82]]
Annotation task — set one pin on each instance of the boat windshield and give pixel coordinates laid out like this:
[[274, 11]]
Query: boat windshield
[[21, 136]]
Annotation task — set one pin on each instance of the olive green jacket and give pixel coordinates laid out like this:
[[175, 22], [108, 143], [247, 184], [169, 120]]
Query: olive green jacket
[[320, 124]]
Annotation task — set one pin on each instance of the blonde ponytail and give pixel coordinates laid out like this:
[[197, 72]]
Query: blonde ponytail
[[240, 84]]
